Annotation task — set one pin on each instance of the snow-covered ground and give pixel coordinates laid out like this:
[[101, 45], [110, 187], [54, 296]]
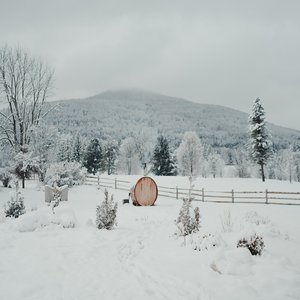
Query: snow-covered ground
[[141, 258]]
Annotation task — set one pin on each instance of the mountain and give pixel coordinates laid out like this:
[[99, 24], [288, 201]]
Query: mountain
[[117, 114]]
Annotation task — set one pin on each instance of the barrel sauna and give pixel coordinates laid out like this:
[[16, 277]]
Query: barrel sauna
[[145, 192]]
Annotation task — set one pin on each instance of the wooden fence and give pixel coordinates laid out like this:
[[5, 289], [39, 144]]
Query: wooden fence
[[233, 196]]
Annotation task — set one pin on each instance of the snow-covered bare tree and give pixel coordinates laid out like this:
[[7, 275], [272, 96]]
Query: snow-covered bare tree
[[65, 148], [25, 84], [128, 159], [162, 160], [260, 143], [242, 164], [190, 154], [110, 156], [216, 164], [43, 146]]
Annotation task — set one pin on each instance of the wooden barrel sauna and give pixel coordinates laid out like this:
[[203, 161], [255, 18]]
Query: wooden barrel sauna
[[145, 192]]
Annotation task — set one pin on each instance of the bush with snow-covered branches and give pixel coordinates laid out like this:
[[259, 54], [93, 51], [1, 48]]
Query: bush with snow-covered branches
[[106, 213], [188, 220], [15, 206], [5, 176], [254, 243], [65, 173]]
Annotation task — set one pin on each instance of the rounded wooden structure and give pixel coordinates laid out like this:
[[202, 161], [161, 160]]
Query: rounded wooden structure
[[145, 192]]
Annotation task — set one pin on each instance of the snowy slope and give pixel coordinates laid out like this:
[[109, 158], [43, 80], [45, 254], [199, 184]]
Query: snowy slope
[[141, 258]]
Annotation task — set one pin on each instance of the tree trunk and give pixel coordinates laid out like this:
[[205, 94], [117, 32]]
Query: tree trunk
[[23, 180], [262, 172]]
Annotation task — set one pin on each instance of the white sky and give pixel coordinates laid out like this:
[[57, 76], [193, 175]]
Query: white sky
[[218, 52]]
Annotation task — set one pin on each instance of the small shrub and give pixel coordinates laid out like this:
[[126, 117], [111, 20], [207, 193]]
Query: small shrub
[[106, 213], [206, 242], [5, 176], [254, 218], [255, 244], [188, 220], [15, 206], [226, 221]]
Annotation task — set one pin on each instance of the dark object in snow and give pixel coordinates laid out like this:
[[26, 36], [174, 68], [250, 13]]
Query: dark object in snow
[[145, 192], [125, 201], [255, 244]]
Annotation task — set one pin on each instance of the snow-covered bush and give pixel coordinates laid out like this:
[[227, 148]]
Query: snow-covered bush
[[5, 176], [206, 242], [226, 221], [106, 213], [15, 206], [65, 173], [64, 217], [254, 243], [188, 220], [254, 218]]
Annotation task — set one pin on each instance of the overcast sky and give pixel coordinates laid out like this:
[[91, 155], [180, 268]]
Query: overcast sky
[[218, 52]]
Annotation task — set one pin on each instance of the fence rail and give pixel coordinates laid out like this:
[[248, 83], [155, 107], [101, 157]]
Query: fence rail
[[255, 197]]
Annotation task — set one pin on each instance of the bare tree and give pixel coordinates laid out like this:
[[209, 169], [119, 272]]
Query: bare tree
[[25, 84]]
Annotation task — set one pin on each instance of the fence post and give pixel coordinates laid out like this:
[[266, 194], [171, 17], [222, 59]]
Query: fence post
[[232, 195], [267, 200], [202, 194], [116, 184], [176, 192], [98, 180]]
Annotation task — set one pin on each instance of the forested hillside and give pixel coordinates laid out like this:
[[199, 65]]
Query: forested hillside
[[121, 113]]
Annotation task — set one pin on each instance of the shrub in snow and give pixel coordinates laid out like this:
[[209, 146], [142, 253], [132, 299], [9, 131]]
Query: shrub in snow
[[188, 220], [5, 176], [15, 206], [106, 213], [56, 198], [43, 217], [65, 173], [254, 243], [206, 242], [254, 218], [226, 221]]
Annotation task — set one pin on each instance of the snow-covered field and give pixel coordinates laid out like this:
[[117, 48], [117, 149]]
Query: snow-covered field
[[141, 258]]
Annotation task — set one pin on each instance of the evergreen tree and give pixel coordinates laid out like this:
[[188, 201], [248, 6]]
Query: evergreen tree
[[93, 158], [163, 163], [65, 149], [260, 144], [77, 149]]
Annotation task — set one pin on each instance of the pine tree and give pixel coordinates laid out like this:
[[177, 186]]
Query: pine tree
[[93, 158], [163, 163], [65, 149], [77, 149], [260, 144], [106, 213]]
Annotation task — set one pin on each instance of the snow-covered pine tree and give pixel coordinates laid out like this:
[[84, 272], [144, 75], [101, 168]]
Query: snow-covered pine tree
[[106, 213], [190, 154], [260, 143], [163, 163], [93, 158], [65, 148], [77, 149]]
